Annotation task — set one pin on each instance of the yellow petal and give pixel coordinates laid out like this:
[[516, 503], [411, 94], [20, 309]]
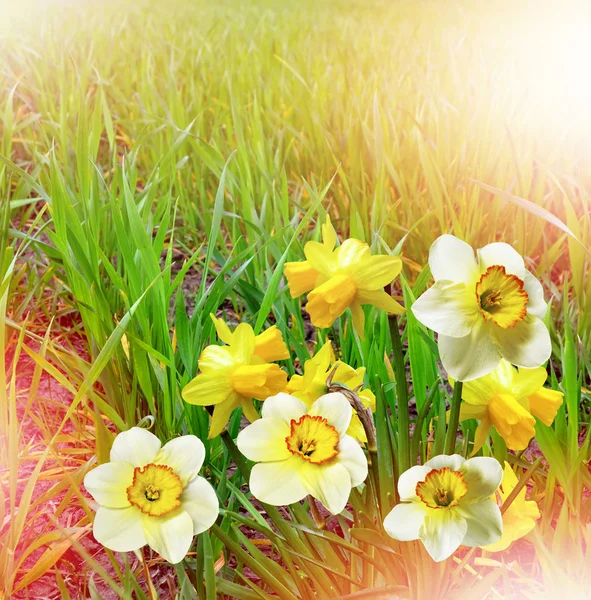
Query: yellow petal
[[259, 381], [377, 271], [270, 346], [528, 381], [301, 277], [221, 414], [544, 404], [330, 300], [249, 411], [208, 389], [512, 421], [469, 411], [222, 329], [358, 319], [351, 253], [243, 343], [356, 430], [329, 235], [321, 258], [216, 358], [380, 299], [481, 434]]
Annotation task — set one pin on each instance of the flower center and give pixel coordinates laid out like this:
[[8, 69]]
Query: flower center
[[442, 488], [155, 490], [501, 297], [313, 439]]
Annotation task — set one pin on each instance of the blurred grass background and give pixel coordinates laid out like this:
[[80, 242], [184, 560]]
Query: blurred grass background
[[145, 143]]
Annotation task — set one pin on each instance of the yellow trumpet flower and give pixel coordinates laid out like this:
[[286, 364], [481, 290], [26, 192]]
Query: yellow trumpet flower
[[509, 399], [312, 384], [344, 277], [521, 516], [483, 310], [232, 375], [152, 495]]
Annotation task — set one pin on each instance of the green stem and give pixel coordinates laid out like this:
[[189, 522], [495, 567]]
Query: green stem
[[417, 433], [401, 396], [242, 465], [454, 419]]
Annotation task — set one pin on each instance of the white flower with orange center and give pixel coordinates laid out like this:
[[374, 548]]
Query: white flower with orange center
[[446, 503], [483, 309], [152, 495], [301, 451]]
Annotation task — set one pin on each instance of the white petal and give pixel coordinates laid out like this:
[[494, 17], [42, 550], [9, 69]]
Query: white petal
[[119, 529], [331, 484], [352, 457], [536, 304], [404, 521], [185, 455], [407, 482], [451, 461], [201, 502], [335, 408], [483, 475], [452, 259], [136, 446], [278, 483], [447, 308], [108, 484], [442, 533], [285, 407], [485, 524], [469, 357], [170, 536], [526, 344], [264, 440], [499, 253]]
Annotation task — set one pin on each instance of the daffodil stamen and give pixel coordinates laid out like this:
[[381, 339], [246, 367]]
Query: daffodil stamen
[[442, 488], [501, 297], [155, 490], [312, 438]]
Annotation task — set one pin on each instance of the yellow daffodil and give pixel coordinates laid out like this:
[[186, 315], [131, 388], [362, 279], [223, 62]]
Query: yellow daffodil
[[344, 277], [312, 384], [521, 516], [232, 375], [152, 495], [301, 451], [509, 399], [446, 503], [483, 309]]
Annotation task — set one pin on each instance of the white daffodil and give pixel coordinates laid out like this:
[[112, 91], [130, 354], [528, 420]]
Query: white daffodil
[[446, 503], [152, 495], [483, 309], [301, 451]]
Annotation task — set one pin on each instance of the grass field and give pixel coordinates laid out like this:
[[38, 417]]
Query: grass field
[[161, 161]]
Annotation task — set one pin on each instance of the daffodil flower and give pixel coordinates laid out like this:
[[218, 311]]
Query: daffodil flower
[[344, 277], [509, 399], [152, 495], [446, 503], [483, 309], [521, 516], [232, 375], [301, 451], [312, 384]]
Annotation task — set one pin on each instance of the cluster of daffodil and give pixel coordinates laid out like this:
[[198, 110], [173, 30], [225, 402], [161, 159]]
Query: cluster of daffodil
[[309, 441]]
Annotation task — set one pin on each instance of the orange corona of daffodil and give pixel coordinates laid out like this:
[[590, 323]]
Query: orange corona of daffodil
[[232, 375], [521, 516], [312, 384], [342, 277], [509, 399]]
